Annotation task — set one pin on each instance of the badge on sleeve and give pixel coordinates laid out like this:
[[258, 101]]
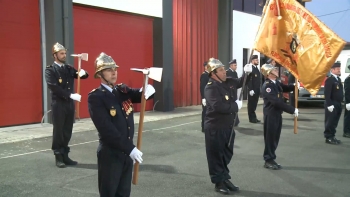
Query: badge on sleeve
[[268, 90], [60, 80], [226, 97], [256, 75]]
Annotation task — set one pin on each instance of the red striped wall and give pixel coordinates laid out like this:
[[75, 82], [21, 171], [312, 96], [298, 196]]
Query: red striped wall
[[195, 41]]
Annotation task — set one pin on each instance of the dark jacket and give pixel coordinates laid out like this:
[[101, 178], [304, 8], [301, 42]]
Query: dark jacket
[[113, 116], [61, 80], [333, 91], [273, 98], [221, 103], [203, 82], [254, 80], [231, 73]]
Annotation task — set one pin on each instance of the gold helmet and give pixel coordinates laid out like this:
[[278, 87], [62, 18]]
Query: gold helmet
[[266, 69], [57, 47], [103, 61], [213, 64]]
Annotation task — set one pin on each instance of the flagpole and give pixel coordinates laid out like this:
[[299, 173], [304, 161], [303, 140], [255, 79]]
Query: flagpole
[[246, 75], [296, 95]]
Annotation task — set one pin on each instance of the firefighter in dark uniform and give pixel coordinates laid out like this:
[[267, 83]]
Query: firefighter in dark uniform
[[111, 110], [254, 90], [347, 107], [333, 92], [231, 72], [60, 80], [274, 106], [203, 82], [221, 96]]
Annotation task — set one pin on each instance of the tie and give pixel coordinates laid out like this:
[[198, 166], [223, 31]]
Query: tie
[[339, 79]]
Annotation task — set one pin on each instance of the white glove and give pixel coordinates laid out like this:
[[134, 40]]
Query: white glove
[[149, 91], [204, 102], [251, 92], [297, 84], [248, 68], [136, 155], [82, 72], [75, 97], [239, 104], [330, 108], [347, 106], [296, 112]]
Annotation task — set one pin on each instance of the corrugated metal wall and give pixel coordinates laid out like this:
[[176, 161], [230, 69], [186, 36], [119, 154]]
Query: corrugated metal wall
[[195, 41], [21, 71]]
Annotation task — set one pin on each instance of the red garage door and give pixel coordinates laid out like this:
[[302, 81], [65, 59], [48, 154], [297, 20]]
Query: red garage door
[[127, 38], [20, 56]]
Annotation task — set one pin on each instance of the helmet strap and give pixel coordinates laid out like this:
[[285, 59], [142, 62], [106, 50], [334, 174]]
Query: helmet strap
[[108, 83], [218, 77]]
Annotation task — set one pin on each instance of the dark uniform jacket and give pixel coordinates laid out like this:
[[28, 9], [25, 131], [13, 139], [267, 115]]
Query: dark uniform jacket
[[221, 103], [61, 80], [273, 97], [254, 79], [203, 82], [113, 116], [347, 89], [231, 73], [333, 91]]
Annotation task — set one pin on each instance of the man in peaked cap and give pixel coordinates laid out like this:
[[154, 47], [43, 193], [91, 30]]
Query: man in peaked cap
[[253, 90], [333, 92], [222, 105], [347, 106], [60, 80], [111, 110], [203, 82], [231, 72]]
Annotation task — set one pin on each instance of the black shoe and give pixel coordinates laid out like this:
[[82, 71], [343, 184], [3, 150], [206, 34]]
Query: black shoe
[[339, 142], [272, 165], [59, 161], [231, 186], [68, 161], [255, 121], [333, 141], [346, 135], [221, 188]]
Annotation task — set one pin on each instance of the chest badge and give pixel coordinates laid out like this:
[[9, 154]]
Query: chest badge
[[60, 80], [113, 112], [226, 97], [256, 75], [337, 86]]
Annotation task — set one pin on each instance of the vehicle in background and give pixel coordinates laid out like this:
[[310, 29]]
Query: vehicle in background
[[304, 95]]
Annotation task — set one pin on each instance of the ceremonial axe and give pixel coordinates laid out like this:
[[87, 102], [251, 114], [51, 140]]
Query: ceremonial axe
[[82, 56], [155, 74]]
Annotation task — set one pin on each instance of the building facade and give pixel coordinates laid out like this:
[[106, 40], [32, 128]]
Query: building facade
[[177, 35]]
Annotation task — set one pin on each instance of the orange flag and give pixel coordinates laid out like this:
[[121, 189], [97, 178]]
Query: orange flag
[[297, 40]]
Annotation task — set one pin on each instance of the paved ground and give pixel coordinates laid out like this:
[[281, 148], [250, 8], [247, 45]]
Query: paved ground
[[175, 162]]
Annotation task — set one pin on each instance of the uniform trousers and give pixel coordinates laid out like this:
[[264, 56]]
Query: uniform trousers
[[114, 172], [252, 104], [218, 153], [272, 133], [331, 120], [62, 119]]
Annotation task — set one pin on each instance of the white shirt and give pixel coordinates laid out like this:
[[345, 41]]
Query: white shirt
[[336, 76], [107, 87], [60, 65]]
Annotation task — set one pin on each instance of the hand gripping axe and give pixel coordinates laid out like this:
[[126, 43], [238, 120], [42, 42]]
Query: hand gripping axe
[[155, 74], [82, 56]]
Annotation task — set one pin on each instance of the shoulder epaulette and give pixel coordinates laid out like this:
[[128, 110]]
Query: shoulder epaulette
[[48, 66], [92, 91], [209, 82]]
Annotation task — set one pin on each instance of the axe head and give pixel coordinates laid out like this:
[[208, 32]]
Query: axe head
[[83, 56], [154, 73]]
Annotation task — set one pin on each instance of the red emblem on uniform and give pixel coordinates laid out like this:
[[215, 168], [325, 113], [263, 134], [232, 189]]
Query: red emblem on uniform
[[268, 90]]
